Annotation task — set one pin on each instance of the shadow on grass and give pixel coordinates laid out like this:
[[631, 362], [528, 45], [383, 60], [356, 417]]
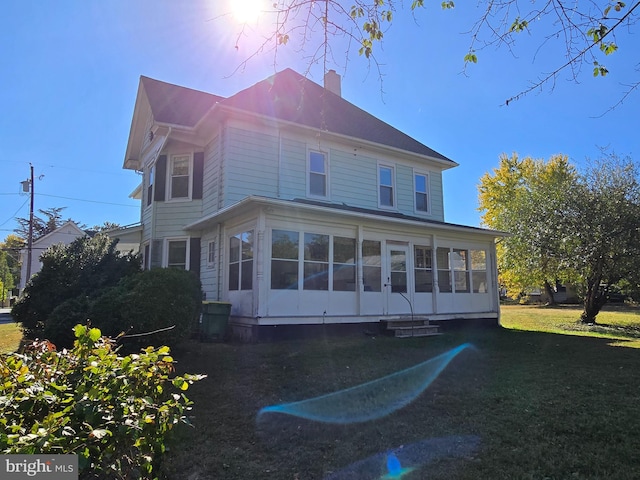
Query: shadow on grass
[[542, 406]]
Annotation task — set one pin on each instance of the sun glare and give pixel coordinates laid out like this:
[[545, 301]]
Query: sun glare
[[246, 11]]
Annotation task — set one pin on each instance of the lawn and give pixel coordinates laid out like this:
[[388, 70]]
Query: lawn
[[538, 398], [10, 336]]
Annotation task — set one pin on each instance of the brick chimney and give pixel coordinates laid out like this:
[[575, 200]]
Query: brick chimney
[[332, 82]]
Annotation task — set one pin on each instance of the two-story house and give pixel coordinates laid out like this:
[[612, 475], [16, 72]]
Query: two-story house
[[300, 208]]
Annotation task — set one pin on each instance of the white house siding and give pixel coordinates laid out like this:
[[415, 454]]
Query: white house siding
[[354, 178], [251, 164], [209, 272], [292, 168], [211, 177], [436, 195]]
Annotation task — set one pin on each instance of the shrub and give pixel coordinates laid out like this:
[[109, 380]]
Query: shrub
[[114, 412], [149, 301], [80, 269]]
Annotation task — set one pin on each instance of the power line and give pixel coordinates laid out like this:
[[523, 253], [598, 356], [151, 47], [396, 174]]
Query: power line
[[76, 199], [13, 216], [89, 201]]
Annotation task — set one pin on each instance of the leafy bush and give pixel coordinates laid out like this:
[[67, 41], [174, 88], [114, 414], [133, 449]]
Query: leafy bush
[[150, 301], [114, 412], [80, 269]]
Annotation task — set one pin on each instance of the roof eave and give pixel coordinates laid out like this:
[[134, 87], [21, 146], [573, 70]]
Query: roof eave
[[220, 216]]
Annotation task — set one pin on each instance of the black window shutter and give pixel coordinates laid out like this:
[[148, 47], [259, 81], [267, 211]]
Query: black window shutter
[[156, 254], [161, 178], [194, 256], [198, 174]]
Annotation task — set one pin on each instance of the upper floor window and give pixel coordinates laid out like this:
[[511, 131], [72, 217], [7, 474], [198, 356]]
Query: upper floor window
[[179, 176], [318, 178], [386, 182], [150, 181], [421, 192]]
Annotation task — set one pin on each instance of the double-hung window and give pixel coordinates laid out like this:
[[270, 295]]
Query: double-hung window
[[444, 272], [177, 254], [460, 263], [180, 176], [241, 261], [316, 261], [423, 270], [372, 265], [318, 174], [150, 180], [284, 259], [386, 183], [344, 264], [421, 182], [479, 271]]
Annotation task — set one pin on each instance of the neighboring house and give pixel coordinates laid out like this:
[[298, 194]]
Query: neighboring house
[[300, 208], [128, 238], [64, 234]]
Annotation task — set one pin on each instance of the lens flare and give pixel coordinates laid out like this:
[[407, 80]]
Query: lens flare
[[371, 400]]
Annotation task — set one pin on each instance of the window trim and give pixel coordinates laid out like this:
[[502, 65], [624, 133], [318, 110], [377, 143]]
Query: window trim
[[169, 189], [426, 193], [165, 256], [150, 184], [394, 199], [325, 154]]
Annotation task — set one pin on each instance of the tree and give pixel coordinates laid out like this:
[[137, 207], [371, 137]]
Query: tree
[[42, 226], [523, 197], [12, 246], [578, 227], [584, 32], [81, 269], [602, 229], [6, 278]]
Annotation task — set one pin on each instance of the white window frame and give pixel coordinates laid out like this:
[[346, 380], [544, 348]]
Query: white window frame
[[326, 174], [169, 189], [149, 191], [393, 186], [426, 193], [167, 241]]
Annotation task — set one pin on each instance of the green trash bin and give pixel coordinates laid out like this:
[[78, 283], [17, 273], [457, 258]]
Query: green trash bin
[[214, 320]]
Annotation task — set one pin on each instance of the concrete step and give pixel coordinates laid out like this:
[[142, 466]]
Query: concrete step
[[414, 330]]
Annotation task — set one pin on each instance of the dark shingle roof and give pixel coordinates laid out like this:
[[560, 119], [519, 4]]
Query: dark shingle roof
[[177, 105], [286, 96]]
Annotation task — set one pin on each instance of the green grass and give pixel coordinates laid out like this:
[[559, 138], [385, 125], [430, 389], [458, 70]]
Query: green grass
[[546, 400], [10, 336], [619, 323]]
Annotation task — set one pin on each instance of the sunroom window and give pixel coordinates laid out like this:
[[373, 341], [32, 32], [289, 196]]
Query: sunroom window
[[316, 261], [284, 259], [423, 271], [241, 261]]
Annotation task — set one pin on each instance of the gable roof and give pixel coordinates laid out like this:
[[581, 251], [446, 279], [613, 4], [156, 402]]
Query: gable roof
[[286, 96], [177, 105], [289, 96]]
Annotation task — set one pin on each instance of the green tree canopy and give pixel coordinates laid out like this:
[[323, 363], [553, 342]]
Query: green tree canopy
[[582, 228], [523, 197], [81, 269]]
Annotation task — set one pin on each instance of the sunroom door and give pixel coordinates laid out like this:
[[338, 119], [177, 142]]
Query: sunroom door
[[397, 289]]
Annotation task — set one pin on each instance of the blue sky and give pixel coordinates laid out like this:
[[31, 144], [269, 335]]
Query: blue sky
[[71, 72]]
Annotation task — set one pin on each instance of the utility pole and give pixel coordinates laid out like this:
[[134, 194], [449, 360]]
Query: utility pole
[[30, 239]]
